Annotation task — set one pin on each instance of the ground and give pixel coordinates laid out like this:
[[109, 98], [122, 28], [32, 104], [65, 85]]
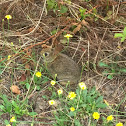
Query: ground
[[100, 55]]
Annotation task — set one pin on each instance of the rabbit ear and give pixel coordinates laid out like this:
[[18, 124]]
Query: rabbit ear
[[56, 44], [55, 47], [59, 47], [50, 43]]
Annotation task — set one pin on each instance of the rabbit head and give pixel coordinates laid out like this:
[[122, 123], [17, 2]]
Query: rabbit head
[[48, 54]]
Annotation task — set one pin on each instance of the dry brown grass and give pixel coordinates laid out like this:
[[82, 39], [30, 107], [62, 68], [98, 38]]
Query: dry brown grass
[[93, 42]]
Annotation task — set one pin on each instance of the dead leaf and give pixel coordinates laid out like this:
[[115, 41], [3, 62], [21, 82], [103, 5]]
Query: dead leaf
[[28, 67], [28, 53], [18, 33], [30, 29], [23, 77], [15, 89], [83, 22], [75, 24], [82, 49], [77, 28]]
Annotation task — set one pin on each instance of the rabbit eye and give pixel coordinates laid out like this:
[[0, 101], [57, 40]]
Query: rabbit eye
[[46, 54]]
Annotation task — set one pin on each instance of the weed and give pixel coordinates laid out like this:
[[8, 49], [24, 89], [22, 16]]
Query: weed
[[8, 17], [82, 13], [122, 35], [56, 7], [15, 107], [111, 69], [77, 105]]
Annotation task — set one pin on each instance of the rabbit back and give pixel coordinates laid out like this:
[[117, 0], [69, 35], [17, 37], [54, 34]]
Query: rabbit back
[[65, 68]]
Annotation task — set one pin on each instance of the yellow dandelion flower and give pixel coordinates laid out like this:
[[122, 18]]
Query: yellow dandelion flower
[[8, 17], [13, 119], [12, 44], [52, 102], [71, 95], [119, 124], [96, 115], [9, 56], [8, 125], [60, 91], [110, 118], [53, 82], [82, 85], [38, 74], [72, 109], [68, 36]]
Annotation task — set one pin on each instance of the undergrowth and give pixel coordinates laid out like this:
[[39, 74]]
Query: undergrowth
[[23, 77]]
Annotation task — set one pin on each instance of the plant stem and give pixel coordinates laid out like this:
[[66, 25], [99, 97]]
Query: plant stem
[[8, 24]]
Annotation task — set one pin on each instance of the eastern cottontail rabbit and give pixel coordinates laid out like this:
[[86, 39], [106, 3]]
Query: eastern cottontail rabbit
[[62, 65]]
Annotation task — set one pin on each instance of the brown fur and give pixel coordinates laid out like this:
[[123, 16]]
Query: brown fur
[[62, 65]]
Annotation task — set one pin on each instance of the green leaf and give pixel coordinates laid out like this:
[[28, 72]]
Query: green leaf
[[89, 99], [7, 104], [117, 35], [124, 32], [45, 97], [84, 95], [123, 70], [4, 97], [51, 4], [2, 107], [60, 120], [123, 39], [109, 76], [77, 123], [27, 85], [14, 104], [45, 80], [105, 72], [101, 105], [71, 113], [54, 94], [93, 91], [88, 109], [78, 92], [113, 71], [1, 113], [54, 31], [100, 99], [32, 113], [82, 11], [95, 11], [102, 64], [63, 9], [83, 105], [38, 87], [6, 122]]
